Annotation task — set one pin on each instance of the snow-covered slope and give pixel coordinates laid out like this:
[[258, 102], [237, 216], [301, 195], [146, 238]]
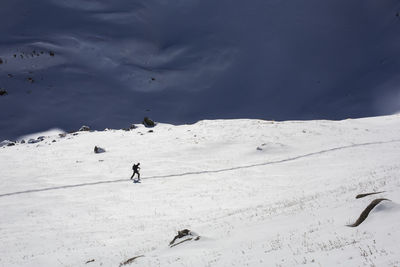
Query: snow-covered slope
[[65, 63], [258, 193]]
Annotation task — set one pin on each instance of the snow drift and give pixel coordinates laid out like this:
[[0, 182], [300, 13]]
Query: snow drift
[[288, 204]]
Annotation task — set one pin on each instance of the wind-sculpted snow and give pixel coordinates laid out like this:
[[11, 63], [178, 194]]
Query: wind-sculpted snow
[[111, 63], [201, 172], [287, 204]]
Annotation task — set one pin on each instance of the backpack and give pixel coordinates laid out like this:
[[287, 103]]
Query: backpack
[[135, 167]]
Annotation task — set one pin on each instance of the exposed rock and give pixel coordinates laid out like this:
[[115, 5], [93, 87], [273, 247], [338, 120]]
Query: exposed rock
[[368, 194], [3, 92], [62, 135], [34, 141], [132, 127], [98, 150], [84, 128], [366, 211], [128, 261], [6, 143], [183, 236], [148, 122], [260, 148]]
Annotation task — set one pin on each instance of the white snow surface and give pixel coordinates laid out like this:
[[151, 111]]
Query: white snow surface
[[258, 193]]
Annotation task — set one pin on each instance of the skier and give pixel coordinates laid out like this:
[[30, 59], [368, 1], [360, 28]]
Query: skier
[[136, 169]]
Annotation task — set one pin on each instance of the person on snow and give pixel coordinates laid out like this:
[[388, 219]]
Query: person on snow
[[136, 169]]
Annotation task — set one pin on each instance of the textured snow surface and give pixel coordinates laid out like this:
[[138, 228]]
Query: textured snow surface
[[284, 204]]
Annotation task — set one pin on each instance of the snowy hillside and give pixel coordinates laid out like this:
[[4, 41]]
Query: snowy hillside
[[254, 193], [65, 63]]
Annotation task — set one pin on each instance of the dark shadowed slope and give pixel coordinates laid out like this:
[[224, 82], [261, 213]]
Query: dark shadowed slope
[[109, 63]]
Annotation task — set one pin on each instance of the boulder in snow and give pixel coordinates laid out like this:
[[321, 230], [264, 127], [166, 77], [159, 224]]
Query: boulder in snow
[[37, 140], [34, 141], [6, 143], [132, 127], [183, 236], [148, 122], [98, 150], [129, 261], [84, 128]]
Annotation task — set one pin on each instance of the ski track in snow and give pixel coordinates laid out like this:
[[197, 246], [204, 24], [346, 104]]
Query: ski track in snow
[[202, 172], [285, 204]]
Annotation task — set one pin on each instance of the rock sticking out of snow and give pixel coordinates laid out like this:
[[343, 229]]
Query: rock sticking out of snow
[[98, 150], [183, 236], [84, 128], [7, 143], [132, 127], [129, 261], [368, 194], [148, 122], [366, 211], [37, 140]]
